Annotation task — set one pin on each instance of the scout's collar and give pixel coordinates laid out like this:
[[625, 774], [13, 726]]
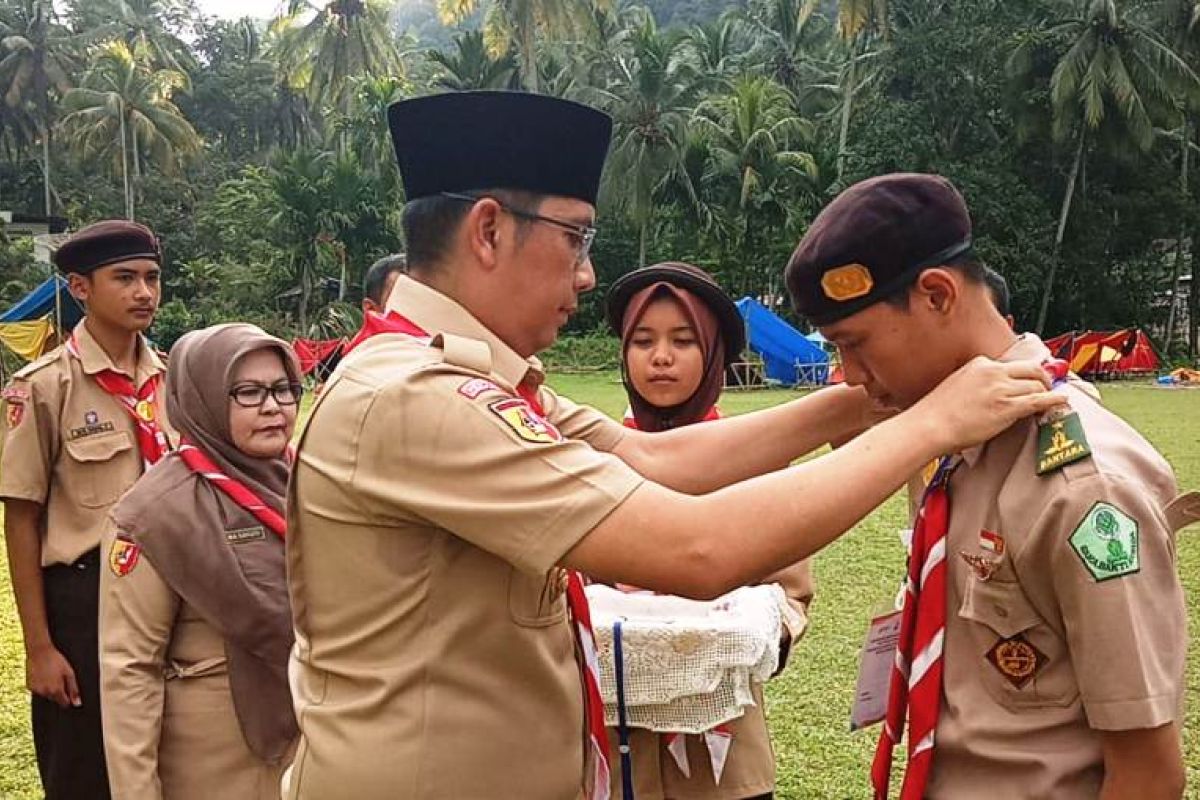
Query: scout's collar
[[94, 360], [439, 314]]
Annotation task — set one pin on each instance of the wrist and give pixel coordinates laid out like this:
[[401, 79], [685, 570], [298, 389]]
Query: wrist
[[926, 436], [38, 645]]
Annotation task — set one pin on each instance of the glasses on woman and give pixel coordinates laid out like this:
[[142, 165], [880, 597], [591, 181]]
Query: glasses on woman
[[581, 235], [253, 395]]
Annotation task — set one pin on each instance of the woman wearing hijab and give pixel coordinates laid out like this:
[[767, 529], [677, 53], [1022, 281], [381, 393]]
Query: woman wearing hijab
[[195, 624], [679, 332]]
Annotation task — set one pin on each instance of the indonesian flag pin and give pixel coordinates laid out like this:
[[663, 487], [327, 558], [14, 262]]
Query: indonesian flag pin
[[991, 542]]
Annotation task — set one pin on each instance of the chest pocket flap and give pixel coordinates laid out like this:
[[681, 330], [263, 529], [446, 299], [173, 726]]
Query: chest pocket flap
[[94, 479], [103, 447], [1000, 605]]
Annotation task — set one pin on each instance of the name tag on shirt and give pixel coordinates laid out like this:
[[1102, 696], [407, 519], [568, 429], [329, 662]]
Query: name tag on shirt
[[875, 671], [242, 535]]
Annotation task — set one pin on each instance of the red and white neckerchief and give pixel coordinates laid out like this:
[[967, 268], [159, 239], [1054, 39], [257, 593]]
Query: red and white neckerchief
[[199, 462], [916, 683], [598, 787], [140, 404], [629, 421], [389, 322], [718, 741]]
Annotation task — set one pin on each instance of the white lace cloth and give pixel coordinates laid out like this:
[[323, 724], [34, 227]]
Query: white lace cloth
[[689, 665]]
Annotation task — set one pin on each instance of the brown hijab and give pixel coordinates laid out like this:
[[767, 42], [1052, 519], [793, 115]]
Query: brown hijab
[[652, 418], [209, 549]]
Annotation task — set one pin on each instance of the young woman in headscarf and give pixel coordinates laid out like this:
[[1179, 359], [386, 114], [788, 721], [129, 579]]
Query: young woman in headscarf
[[679, 333], [195, 624]]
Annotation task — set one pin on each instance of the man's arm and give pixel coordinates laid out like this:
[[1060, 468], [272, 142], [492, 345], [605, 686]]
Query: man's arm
[[47, 672], [704, 458], [704, 546], [1142, 764]]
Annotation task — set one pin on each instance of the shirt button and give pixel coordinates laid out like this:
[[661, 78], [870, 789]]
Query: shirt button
[[1001, 612]]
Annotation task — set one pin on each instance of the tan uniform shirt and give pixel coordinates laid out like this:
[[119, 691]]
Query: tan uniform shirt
[[1049, 642], [69, 445], [170, 728], [750, 766], [427, 511]]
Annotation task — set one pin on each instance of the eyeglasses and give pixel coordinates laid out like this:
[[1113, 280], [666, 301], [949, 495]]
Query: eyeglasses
[[253, 395], [583, 235]]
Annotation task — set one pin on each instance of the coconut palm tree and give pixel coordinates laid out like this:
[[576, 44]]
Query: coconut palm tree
[[650, 98], [857, 21], [148, 25], [35, 58], [509, 22], [343, 40], [756, 139], [471, 66], [123, 113], [1116, 77]]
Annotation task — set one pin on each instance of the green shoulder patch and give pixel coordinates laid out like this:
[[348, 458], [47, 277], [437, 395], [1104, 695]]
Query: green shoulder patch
[[1106, 540], [1061, 441]]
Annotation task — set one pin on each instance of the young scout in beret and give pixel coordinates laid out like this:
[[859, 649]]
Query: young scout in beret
[[1042, 645], [444, 500], [82, 423]]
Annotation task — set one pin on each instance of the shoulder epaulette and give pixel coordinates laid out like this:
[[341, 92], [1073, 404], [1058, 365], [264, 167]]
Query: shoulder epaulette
[[39, 363]]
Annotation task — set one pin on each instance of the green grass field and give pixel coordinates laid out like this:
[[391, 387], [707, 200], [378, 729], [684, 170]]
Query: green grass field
[[809, 705]]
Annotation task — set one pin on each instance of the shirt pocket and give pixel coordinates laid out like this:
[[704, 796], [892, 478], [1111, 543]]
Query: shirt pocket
[[1023, 662], [94, 480], [537, 601]]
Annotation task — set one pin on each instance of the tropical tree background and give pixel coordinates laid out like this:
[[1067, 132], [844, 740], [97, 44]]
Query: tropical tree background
[[258, 148]]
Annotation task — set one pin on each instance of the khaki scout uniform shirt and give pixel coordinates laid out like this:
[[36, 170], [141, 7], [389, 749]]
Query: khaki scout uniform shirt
[[170, 727], [70, 446], [426, 514], [750, 766], [1042, 654]]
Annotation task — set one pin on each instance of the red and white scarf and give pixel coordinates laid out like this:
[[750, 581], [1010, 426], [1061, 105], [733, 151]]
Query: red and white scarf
[[598, 787], [140, 403], [199, 462], [916, 683]]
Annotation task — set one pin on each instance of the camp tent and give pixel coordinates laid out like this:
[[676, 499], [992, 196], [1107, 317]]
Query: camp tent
[[33, 320], [1106, 354], [788, 357]]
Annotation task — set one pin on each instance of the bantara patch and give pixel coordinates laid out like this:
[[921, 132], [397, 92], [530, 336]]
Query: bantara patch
[[1106, 541]]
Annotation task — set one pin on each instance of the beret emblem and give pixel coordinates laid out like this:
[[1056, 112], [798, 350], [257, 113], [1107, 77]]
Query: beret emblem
[[847, 282]]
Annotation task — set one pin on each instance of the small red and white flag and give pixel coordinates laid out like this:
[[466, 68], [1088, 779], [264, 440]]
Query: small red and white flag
[[991, 542]]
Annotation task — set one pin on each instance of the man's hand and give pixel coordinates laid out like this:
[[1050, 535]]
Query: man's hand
[[983, 398], [49, 675]]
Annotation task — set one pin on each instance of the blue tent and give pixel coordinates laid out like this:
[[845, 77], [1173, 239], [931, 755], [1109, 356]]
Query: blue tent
[[787, 355], [42, 302]]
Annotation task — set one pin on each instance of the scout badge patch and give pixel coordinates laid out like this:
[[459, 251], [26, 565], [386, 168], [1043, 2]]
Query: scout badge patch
[[1061, 439], [847, 282], [1106, 541], [1017, 659], [14, 398], [123, 557], [520, 416]]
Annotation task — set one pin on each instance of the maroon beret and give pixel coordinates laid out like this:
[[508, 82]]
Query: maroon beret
[[873, 240], [104, 243]]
